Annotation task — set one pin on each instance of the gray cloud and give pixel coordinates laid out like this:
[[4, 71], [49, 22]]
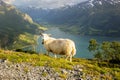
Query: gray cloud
[[46, 3]]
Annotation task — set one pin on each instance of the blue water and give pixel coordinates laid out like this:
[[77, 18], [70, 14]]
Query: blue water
[[81, 42]]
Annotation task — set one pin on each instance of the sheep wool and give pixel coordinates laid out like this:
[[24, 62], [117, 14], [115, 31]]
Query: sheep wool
[[59, 46]]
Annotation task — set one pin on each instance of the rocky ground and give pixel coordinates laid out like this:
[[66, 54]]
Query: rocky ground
[[26, 71]]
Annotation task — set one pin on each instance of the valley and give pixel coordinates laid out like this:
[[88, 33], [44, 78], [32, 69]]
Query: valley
[[92, 17]]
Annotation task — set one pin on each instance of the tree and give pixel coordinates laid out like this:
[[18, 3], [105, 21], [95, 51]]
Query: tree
[[116, 50], [93, 45], [105, 50]]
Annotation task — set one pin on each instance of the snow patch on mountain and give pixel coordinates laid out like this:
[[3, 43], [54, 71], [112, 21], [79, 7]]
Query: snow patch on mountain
[[100, 2], [91, 3]]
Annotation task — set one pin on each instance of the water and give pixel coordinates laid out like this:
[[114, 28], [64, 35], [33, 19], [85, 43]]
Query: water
[[81, 42]]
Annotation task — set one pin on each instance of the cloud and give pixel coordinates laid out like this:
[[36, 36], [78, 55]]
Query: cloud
[[8, 1], [46, 3]]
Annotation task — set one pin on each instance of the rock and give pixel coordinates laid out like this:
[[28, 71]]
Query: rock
[[25, 71], [2, 60], [63, 71]]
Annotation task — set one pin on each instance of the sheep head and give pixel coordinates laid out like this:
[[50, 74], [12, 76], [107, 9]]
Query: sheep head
[[44, 37]]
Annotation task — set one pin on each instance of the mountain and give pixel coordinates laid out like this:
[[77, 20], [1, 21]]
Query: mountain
[[15, 27], [92, 17]]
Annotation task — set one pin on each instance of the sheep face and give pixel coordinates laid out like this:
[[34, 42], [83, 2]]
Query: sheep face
[[44, 37]]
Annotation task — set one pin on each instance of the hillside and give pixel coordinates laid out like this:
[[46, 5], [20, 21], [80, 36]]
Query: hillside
[[15, 27], [93, 17], [19, 65]]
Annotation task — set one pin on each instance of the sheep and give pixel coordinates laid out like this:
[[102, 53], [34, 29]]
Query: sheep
[[59, 46]]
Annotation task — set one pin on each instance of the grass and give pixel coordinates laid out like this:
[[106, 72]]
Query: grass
[[63, 76], [90, 67]]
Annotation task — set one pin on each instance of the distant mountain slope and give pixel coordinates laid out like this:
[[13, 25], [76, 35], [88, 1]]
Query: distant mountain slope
[[14, 25], [93, 17]]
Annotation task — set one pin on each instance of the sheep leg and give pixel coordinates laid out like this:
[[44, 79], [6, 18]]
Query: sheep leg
[[55, 56], [47, 53], [70, 58], [67, 57]]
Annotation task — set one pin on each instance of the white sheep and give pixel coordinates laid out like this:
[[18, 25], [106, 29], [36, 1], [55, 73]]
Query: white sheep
[[59, 46]]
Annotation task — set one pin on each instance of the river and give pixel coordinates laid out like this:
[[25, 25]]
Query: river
[[81, 42]]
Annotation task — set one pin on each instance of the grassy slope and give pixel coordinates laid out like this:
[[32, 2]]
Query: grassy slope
[[89, 66], [13, 24]]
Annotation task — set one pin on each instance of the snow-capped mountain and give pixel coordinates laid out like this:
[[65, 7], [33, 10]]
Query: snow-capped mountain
[[92, 17], [102, 2], [94, 3]]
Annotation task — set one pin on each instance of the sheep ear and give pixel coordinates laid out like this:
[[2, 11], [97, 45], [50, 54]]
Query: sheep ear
[[41, 34]]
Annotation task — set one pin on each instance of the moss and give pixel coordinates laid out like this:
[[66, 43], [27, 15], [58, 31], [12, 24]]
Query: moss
[[26, 69], [64, 76], [44, 74]]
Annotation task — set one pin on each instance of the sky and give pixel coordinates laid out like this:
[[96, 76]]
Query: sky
[[43, 3]]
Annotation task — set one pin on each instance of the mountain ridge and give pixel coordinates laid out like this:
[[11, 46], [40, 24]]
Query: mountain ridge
[[94, 17]]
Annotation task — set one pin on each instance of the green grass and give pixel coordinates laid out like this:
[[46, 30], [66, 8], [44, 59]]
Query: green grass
[[17, 28], [90, 67]]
